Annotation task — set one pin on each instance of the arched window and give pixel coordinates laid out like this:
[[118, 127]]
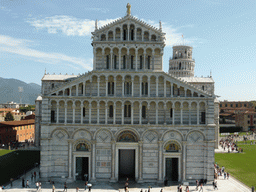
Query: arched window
[[180, 66], [103, 37], [111, 111], [172, 147], [132, 61], [144, 87], [143, 114], [115, 62], [141, 62], [153, 38], [124, 62], [82, 147], [148, 62], [107, 61], [127, 110], [111, 88], [203, 87]]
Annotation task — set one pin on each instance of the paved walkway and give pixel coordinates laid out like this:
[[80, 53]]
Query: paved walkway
[[230, 185]]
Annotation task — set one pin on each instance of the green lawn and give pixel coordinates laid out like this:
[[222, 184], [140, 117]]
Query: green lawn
[[240, 165], [15, 163], [4, 151]]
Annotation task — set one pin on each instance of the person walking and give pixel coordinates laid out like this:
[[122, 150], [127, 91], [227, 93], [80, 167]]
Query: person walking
[[197, 185], [65, 187], [40, 186], [85, 185], [27, 184], [187, 189], [37, 186], [77, 189], [53, 188], [201, 187], [227, 175]]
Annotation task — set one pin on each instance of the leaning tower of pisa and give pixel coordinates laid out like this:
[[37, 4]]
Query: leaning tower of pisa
[[182, 64]]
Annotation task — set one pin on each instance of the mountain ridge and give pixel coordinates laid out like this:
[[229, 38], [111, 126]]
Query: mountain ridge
[[9, 91]]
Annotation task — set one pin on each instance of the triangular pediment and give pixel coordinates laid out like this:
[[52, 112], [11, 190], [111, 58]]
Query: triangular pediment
[[133, 20]]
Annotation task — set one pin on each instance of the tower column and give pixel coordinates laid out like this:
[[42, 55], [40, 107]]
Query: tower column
[[90, 113], [140, 113], [114, 115], [74, 110], [98, 81], [94, 58], [156, 113], [106, 113], [58, 108], [160, 160], [197, 116], [181, 116], [66, 113], [136, 62], [103, 53], [82, 110], [83, 88], [171, 89], [157, 86], [119, 64], [98, 112], [111, 60], [173, 114], [122, 113], [132, 113], [164, 88], [144, 63], [149, 87]]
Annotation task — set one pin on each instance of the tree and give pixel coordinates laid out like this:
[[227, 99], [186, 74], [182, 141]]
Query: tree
[[9, 117]]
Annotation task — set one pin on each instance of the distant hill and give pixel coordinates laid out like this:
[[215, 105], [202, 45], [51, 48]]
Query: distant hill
[[9, 91]]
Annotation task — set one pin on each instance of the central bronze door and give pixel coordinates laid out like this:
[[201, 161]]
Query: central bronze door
[[171, 166], [126, 164]]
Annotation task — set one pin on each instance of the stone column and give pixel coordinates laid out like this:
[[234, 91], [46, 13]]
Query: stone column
[[171, 89], [98, 81], [184, 160], [90, 113], [113, 156], [140, 161], [74, 112], [114, 86], [70, 159], [70, 91], [90, 87], [106, 113], [165, 113], [82, 117], [135, 34], [128, 33], [189, 114], [181, 116], [111, 60], [122, 113], [136, 62], [157, 86], [83, 88], [185, 92], [123, 87], [148, 106], [119, 64], [144, 67], [149, 87], [153, 60], [103, 53], [66, 113], [173, 114], [164, 88], [160, 161], [197, 116], [140, 113], [132, 113], [106, 86], [114, 115], [132, 89], [58, 108], [156, 113], [93, 160], [140, 82], [98, 113]]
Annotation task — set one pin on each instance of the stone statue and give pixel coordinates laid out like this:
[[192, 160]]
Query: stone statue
[[160, 25], [128, 9], [96, 24]]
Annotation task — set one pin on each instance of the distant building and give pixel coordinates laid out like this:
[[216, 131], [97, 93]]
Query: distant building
[[229, 109], [246, 120], [12, 105], [15, 112], [11, 131]]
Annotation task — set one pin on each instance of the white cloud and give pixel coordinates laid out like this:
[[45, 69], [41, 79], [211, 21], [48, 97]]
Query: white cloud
[[21, 47], [83, 27], [67, 25]]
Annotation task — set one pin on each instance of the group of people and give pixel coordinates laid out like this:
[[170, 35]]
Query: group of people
[[219, 171], [228, 144]]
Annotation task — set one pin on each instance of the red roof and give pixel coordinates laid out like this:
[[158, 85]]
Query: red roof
[[17, 123]]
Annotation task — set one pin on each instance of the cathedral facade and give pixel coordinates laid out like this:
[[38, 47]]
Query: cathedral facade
[[127, 117]]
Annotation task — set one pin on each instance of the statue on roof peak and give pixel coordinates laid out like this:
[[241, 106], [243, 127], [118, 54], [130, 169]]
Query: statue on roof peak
[[128, 9]]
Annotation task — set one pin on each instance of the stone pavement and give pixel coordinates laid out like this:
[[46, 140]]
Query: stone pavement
[[230, 185]]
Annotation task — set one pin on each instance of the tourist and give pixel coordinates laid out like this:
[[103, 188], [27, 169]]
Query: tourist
[[65, 187], [197, 184], [227, 175], [77, 189], [160, 190], [11, 180], [53, 188], [37, 186], [187, 189], [40, 186], [85, 185], [27, 184], [32, 177], [201, 187], [215, 185]]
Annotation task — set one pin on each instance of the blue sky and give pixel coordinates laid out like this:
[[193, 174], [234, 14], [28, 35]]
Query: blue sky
[[56, 36]]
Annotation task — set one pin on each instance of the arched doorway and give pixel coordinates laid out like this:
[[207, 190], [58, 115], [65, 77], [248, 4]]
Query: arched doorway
[[127, 141], [172, 150]]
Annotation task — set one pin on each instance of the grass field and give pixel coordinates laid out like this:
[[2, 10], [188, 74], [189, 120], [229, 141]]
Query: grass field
[[240, 165], [4, 151], [16, 163]]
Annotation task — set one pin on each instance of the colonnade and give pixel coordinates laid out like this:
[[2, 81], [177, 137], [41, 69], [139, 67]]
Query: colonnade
[[113, 112]]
